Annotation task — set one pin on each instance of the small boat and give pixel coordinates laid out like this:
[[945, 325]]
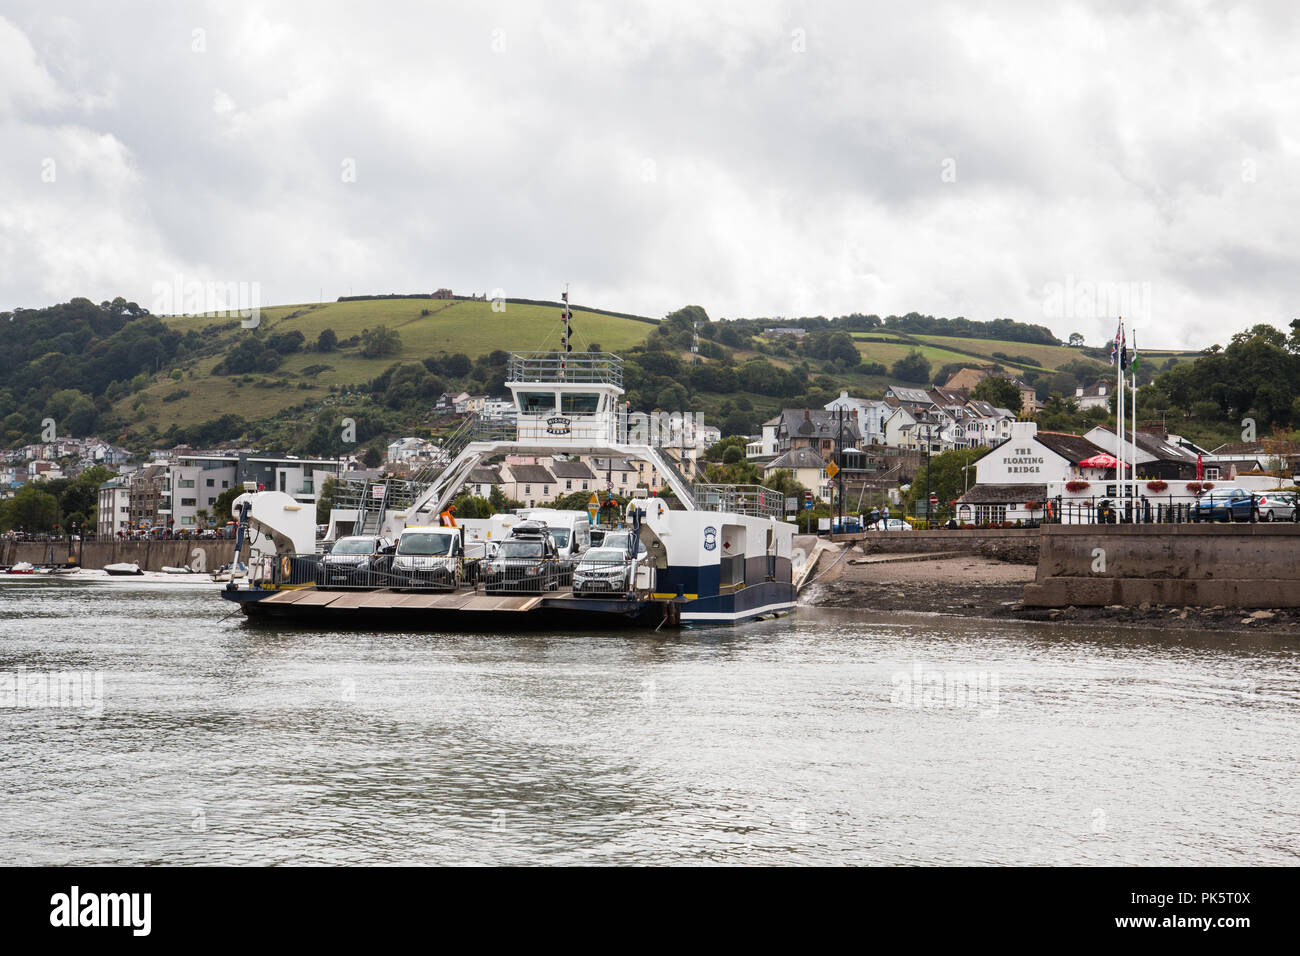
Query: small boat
[[123, 570], [185, 570], [22, 567]]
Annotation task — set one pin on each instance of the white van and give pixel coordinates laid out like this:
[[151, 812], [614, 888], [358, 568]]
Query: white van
[[570, 530], [429, 557]]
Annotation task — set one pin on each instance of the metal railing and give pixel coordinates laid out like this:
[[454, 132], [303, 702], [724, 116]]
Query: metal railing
[[604, 368], [558, 577], [742, 499]]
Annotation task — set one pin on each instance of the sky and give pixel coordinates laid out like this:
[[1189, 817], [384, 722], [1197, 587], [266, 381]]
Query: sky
[[1058, 165]]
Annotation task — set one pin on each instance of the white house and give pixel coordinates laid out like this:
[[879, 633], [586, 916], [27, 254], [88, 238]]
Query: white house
[[1015, 474], [871, 415], [1094, 396]]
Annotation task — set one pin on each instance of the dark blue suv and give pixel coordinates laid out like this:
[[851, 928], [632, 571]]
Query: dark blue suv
[[1226, 504]]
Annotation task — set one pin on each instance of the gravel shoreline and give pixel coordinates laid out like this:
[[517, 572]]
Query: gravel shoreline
[[973, 585]]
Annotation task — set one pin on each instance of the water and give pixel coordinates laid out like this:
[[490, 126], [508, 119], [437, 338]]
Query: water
[[773, 743]]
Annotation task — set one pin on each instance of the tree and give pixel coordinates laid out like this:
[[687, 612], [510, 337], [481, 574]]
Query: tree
[[81, 495], [221, 513], [31, 509], [914, 367], [380, 342], [327, 341], [945, 475], [999, 392], [1076, 340], [325, 500]]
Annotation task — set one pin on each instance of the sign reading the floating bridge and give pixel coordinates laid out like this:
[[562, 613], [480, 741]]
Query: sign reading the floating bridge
[[710, 538], [558, 425]]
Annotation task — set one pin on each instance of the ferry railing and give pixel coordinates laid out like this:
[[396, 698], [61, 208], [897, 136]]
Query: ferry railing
[[743, 499], [603, 368], [584, 576]]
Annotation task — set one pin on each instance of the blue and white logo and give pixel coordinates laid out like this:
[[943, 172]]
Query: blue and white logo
[[710, 538]]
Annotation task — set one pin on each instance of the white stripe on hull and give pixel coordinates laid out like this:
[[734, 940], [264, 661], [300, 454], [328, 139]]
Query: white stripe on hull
[[735, 615]]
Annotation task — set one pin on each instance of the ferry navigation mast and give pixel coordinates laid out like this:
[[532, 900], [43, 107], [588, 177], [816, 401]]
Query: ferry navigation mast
[[566, 344]]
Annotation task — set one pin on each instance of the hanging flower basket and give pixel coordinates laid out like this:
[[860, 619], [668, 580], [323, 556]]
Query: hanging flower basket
[[1076, 486], [1207, 486], [1033, 505], [1195, 487], [1157, 485]]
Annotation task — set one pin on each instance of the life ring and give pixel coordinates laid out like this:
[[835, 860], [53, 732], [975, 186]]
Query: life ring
[[286, 567]]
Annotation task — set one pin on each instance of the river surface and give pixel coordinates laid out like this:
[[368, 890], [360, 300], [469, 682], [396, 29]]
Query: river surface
[[832, 737]]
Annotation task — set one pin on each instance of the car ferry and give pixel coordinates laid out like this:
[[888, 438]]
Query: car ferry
[[720, 554]]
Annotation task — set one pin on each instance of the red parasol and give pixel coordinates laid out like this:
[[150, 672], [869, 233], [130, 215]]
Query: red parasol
[[1102, 460], [1200, 467]]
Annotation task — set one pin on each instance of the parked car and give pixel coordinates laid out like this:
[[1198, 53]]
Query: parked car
[[524, 563], [355, 561], [891, 524], [428, 558], [606, 571], [622, 541], [1225, 504], [1277, 506]]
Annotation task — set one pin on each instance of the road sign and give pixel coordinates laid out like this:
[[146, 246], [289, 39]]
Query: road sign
[[593, 507], [791, 504], [832, 470], [934, 499]]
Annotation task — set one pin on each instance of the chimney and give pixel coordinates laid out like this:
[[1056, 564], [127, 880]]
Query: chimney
[[806, 414]]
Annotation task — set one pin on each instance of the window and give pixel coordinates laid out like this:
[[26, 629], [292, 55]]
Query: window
[[579, 403], [212, 482], [568, 484], [225, 484], [188, 502], [1212, 474], [995, 514], [537, 403], [584, 485], [528, 489], [185, 483], [625, 477], [186, 519]]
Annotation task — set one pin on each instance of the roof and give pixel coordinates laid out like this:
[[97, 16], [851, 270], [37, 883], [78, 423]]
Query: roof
[[796, 458], [484, 475], [809, 422], [611, 464], [1073, 448], [532, 473], [1003, 494], [912, 396], [942, 395], [570, 469], [988, 410], [1156, 446], [1264, 448]]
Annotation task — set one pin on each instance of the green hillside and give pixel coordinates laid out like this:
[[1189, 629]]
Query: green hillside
[[469, 327]]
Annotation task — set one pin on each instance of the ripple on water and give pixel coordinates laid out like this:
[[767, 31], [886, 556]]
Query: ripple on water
[[815, 738]]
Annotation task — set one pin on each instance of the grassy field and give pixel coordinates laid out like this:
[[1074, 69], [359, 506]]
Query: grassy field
[[454, 326]]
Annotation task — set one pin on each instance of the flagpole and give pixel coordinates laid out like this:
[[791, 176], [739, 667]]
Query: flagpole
[[1134, 377], [1119, 410]]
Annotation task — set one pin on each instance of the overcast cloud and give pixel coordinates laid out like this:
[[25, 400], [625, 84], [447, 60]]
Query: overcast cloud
[[758, 159]]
